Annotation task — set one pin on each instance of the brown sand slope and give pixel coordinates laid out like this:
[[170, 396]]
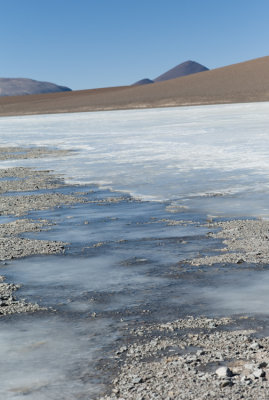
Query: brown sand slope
[[243, 82]]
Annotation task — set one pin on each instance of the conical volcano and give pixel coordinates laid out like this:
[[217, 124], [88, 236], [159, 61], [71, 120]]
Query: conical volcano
[[186, 68]]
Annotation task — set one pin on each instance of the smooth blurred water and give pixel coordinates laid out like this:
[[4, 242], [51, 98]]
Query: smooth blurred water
[[51, 357]]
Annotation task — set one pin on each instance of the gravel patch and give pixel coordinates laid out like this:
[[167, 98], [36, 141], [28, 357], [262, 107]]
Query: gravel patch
[[20, 205], [22, 225], [23, 173], [18, 153], [244, 240], [20, 179], [17, 180], [9, 304], [12, 246], [205, 362], [15, 247]]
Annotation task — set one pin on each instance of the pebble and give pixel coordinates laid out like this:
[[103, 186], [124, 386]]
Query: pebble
[[223, 372], [258, 373]]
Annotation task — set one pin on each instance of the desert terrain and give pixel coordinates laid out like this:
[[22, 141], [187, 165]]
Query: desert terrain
[[238, 83]]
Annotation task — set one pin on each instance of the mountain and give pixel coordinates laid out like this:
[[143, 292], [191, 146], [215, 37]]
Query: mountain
[[145, 81], [243, 82], [183, 69], [23, 86], [186, 68]]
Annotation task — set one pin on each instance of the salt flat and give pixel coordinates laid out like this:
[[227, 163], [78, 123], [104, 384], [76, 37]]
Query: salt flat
[[158, 153]]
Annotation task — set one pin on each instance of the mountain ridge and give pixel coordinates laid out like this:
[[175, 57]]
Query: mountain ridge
[[243, 82], [25, 86], [186, 68], [145, 81]]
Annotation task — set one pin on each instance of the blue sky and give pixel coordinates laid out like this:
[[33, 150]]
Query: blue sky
[[95, 43]]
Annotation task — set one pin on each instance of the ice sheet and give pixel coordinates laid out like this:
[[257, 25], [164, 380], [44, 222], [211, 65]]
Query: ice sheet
[[157, 153]]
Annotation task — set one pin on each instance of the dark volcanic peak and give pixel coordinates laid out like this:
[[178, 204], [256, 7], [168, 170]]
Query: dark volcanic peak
[[186, 68], [23, 86], [145, 81]]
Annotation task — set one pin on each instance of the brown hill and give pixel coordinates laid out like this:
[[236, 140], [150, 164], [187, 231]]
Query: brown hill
[[243, 82]]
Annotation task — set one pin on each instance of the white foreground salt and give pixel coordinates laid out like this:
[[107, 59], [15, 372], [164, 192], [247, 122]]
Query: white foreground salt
[[157, 153]]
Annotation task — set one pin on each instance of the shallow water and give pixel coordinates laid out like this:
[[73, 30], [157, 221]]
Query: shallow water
[[116, 270], [124, 266], [50, 356], [125, 262]]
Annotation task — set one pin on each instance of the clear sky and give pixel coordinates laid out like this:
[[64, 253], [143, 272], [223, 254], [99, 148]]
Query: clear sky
[[95, 43]]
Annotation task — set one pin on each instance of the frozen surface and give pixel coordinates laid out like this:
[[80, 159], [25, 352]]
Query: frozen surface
[[127, 257], [50, 357], [241, 293], [225, 292], [159, 153]]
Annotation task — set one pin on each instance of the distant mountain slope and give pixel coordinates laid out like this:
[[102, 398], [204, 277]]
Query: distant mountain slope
[[145, 81], [23, 86], [186, 68], [243, 82]]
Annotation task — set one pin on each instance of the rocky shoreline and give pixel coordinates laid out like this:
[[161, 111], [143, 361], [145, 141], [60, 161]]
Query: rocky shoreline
[[193, 358], [202, 358], [8, 302], [23, 153], [246, 241], [19, 179], [189, 358]]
